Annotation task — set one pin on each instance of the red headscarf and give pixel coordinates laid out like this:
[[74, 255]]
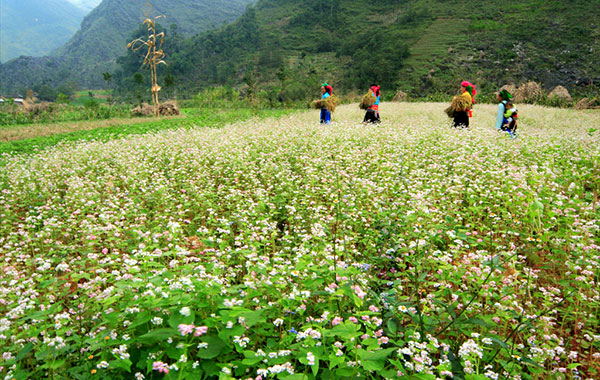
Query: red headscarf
[[328, 88], [376, 89], [470, 86]]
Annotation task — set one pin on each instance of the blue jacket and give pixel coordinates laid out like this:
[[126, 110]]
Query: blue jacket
[[500, 117]]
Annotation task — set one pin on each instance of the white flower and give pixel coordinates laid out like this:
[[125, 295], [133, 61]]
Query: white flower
[[185, 311]]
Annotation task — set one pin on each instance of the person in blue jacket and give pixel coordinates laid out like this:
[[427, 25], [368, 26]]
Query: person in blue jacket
[[506, 120], [326, 91]]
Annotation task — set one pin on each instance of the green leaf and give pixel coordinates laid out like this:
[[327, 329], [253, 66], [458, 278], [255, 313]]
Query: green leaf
[[573, 365], [142, 318], [157, 335], [335, 360], [24, 351], [530, 362], [55, 364], [392, 326], [124, 364], [215, 346], [315, 367], [476, 377], [344, 330], [475, 321], [177, 318], [296, 376], [499, 342], [376, 355], [252, 317], [373, 365]]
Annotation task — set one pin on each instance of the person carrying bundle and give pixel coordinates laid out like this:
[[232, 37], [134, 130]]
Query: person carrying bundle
[[507, 114], [370, 102], [326, 104], [462, 105]]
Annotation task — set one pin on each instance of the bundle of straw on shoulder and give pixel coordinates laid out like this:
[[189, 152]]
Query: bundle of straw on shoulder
[[459, 104], [328, 103], [367, 101]]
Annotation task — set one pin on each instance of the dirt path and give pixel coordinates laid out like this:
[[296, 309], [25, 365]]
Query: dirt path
[[36, 130]]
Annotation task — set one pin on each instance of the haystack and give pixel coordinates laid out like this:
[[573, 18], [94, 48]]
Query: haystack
[[165, 109], [169, 108], [511, 88], [587, 103], [400, 96], [143, 109], [367, 101], [528, 92], [36, 108], [328, 103], [560, 92]]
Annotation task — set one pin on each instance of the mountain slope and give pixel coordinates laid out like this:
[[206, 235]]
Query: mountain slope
[[283, 49], [104, 35], [418, 46], [36, 27]]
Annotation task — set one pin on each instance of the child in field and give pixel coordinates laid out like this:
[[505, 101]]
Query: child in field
[[372, 114]]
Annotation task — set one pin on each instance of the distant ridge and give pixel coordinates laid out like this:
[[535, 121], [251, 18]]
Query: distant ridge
[[36, 27], [104, 34]]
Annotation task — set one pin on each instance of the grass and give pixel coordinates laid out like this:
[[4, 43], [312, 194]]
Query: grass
[[83, 97], [28, 139]]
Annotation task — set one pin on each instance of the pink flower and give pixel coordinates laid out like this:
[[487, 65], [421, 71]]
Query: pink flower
[[105, 250], [160, 367], [358, 291], [379, 333], [200, 330], [374, 308], [185, 329], [353, 319], [383, 340], [336, 321]]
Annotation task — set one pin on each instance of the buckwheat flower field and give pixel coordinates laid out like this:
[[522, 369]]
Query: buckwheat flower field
[[284, 249]]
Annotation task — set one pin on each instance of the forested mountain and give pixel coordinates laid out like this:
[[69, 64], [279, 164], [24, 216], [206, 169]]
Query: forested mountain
[[285, 48], [36, 27], [104, 35]]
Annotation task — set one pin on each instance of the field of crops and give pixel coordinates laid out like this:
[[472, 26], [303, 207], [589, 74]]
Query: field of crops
[[284, 249]]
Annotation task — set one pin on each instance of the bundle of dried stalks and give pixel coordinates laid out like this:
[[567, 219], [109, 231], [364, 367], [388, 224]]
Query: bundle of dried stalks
[[460, 103], [328, 103], [367, 101]]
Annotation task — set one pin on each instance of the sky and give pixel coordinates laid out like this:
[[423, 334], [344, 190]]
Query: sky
[[85, 4]]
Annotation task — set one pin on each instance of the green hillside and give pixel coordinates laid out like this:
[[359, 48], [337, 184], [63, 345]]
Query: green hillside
[[419, 46], [36, 27], [282, 49]]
